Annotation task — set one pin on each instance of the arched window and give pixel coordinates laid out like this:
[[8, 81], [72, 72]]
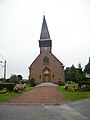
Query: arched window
[[46, 60]]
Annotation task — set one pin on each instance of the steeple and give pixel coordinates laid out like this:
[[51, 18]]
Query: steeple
[[44, 31], [45, 43]]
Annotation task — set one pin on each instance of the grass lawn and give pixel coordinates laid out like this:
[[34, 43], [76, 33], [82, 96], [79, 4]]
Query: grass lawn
[[74, 95], [8, 96]]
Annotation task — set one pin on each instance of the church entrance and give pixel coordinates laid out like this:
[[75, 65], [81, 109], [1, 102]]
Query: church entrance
[[46, 78], [46, 75]]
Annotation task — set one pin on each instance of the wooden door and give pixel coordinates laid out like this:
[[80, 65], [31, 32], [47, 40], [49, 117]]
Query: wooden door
[[46, 78]]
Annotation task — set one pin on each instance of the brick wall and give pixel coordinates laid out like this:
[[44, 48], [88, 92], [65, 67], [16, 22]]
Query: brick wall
[[55, 66]]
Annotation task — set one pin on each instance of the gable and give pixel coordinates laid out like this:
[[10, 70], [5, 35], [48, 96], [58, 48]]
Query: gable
[[37, 58], [46, 59], [55, 59]]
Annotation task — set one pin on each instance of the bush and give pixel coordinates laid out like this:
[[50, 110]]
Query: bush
[[66, 87], [8, 86], [83, 88], [86, 84], [3, 91], [32, 82], [1, 79], [60, 83], [19, 87], [23, 81], [71, 87]]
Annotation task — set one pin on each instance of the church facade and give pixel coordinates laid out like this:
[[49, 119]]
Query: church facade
[[46, 67]]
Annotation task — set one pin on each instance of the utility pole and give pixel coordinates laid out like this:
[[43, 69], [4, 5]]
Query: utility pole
[[5, 70], [4, 66], [1, 65]]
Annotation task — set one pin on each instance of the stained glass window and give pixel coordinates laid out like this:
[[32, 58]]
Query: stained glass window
[[46, 60]]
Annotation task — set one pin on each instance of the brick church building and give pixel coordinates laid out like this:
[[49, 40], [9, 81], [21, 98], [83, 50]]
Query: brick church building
[[46, 67]]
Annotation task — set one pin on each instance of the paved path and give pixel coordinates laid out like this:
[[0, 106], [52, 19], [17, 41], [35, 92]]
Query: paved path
[[40, 95], [78, 110], [47, 84]]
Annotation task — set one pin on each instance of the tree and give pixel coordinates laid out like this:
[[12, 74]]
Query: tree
[[74, 74], [14, 78], [87, 68], [70, 73], [19, 77]]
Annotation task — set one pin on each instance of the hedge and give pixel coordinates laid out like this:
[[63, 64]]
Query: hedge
[[84, 83], [8, 86], [87, 83]]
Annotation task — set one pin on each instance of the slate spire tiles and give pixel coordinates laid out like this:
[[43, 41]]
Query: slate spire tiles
[[44, 31]]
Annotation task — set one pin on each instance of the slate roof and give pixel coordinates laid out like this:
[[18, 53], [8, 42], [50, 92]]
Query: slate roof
[[44, 31]]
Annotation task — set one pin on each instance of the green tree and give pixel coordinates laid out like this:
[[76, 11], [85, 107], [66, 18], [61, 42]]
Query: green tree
[[14, 78], [70, 73], [87, 68], [19, 77], [74, 74]]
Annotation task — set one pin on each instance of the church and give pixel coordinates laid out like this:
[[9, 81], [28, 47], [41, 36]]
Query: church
[[46, 67]]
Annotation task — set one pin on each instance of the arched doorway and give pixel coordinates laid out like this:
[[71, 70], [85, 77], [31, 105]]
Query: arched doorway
[[46, 75]]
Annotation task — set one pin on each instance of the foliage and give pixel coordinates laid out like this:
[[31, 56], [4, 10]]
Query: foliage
[[19, 87], [28, 87], [1, 79], [84, 85], [80, 76], [8, 86], [73, 95], [9, 95], [14, 78], [24, 81], [19, 77], [74, 74], [32, 82], [83, 88], [87, 68], [73, 87], [3, 91], [70, 74], [60, 83]]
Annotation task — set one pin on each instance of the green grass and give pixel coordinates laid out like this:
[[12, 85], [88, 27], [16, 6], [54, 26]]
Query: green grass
[[6, 97], [74, 95], [28, 88]]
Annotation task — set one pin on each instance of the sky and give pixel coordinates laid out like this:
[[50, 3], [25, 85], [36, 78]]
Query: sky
[[68, 22]]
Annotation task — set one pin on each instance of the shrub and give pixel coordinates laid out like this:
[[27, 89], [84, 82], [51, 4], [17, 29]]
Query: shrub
[[8, 86], [71, 87], [85, 84], [19, 87], [66, 87], [32, 82], [60, 83], [83, 88], [3, 91]]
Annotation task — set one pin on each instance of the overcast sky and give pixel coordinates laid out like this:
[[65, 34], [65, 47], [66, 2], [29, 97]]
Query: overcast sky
[[20, 26]]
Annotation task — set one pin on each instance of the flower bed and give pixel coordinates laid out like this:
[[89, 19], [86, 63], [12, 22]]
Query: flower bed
[[73, 87], [19, 87]]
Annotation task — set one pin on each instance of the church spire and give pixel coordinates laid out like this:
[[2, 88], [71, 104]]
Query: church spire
[[45, 43], [44, 31]]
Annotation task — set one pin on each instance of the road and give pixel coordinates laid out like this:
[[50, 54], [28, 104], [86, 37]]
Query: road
[[78, 110]]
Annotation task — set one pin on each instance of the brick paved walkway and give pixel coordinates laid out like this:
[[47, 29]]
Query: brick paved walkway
[[40, 95]]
